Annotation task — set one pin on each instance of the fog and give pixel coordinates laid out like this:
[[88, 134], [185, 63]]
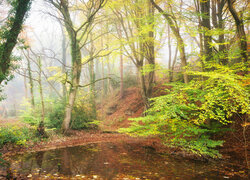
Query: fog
[[43, 32]]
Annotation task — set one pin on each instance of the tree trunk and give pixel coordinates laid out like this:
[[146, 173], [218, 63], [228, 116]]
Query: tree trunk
[[169, 56], [240, 32], [76, 72], [76, 64], [40, 128], [181, 47], [151, 48], [121, 64], [92, 87], [6, 48], [68, 109], [103, 82], [205, 23], [121, 75], [64, 50], [144, 91], [222, 47], [92, 78], [174, 61], [197, 6], [31, 84], [25, 85], [109, 85]]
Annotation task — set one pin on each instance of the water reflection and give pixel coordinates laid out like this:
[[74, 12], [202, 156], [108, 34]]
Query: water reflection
[[109, 161]]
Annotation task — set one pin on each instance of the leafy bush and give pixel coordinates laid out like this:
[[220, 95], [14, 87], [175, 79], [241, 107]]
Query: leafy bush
[[190, 113], [31, 115], [55, 116], [15, 135], [82, 116]]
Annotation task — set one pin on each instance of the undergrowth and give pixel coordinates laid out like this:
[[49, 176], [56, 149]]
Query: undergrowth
[[191, 113], [82, 115], [15, 135]]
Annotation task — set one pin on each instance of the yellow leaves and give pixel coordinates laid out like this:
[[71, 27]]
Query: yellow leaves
[[245, 124], [59, 76], [245, 82], [104, 53], [85, 59]]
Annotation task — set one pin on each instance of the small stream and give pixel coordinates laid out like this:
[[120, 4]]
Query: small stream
[[116, 161]]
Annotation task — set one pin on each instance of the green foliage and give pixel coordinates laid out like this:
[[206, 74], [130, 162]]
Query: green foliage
[[190, 113], [55, 116], [31, 115], [82, 116], [15, 135], [9, 30]]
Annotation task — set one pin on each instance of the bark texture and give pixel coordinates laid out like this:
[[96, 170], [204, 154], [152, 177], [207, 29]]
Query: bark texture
[[11, 39]]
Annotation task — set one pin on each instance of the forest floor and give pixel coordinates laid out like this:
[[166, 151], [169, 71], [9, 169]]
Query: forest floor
[[118, 111], [74, 138], [116, 114]]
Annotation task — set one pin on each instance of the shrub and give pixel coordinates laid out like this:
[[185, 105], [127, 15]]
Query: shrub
[[82, 116], [190, 113], [15, 135], [31, 115], [55, 116]]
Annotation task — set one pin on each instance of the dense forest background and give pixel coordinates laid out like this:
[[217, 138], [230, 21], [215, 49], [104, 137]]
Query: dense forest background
[[61, 61]]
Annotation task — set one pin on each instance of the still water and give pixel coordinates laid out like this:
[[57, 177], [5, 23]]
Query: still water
[[115, 161]]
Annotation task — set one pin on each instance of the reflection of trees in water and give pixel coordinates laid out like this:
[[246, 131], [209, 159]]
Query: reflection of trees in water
[[109, 160], [66, 163], [39, 159]]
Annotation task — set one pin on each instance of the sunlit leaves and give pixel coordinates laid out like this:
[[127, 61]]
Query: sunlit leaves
[[189, 114], [58, 76]]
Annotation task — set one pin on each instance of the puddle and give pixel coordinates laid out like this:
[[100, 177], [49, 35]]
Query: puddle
[[115, 161]]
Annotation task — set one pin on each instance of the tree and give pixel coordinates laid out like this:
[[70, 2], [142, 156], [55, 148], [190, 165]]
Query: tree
[[240, 31], [76, 35], [170, 18], [119, 31], [138, 40], [64, 51], [206, 27], [30, 80], [10, 32], [40, 128], [218, 22]]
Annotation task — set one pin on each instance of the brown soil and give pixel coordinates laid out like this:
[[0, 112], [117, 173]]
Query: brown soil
[[235, 149], [117, 111]]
